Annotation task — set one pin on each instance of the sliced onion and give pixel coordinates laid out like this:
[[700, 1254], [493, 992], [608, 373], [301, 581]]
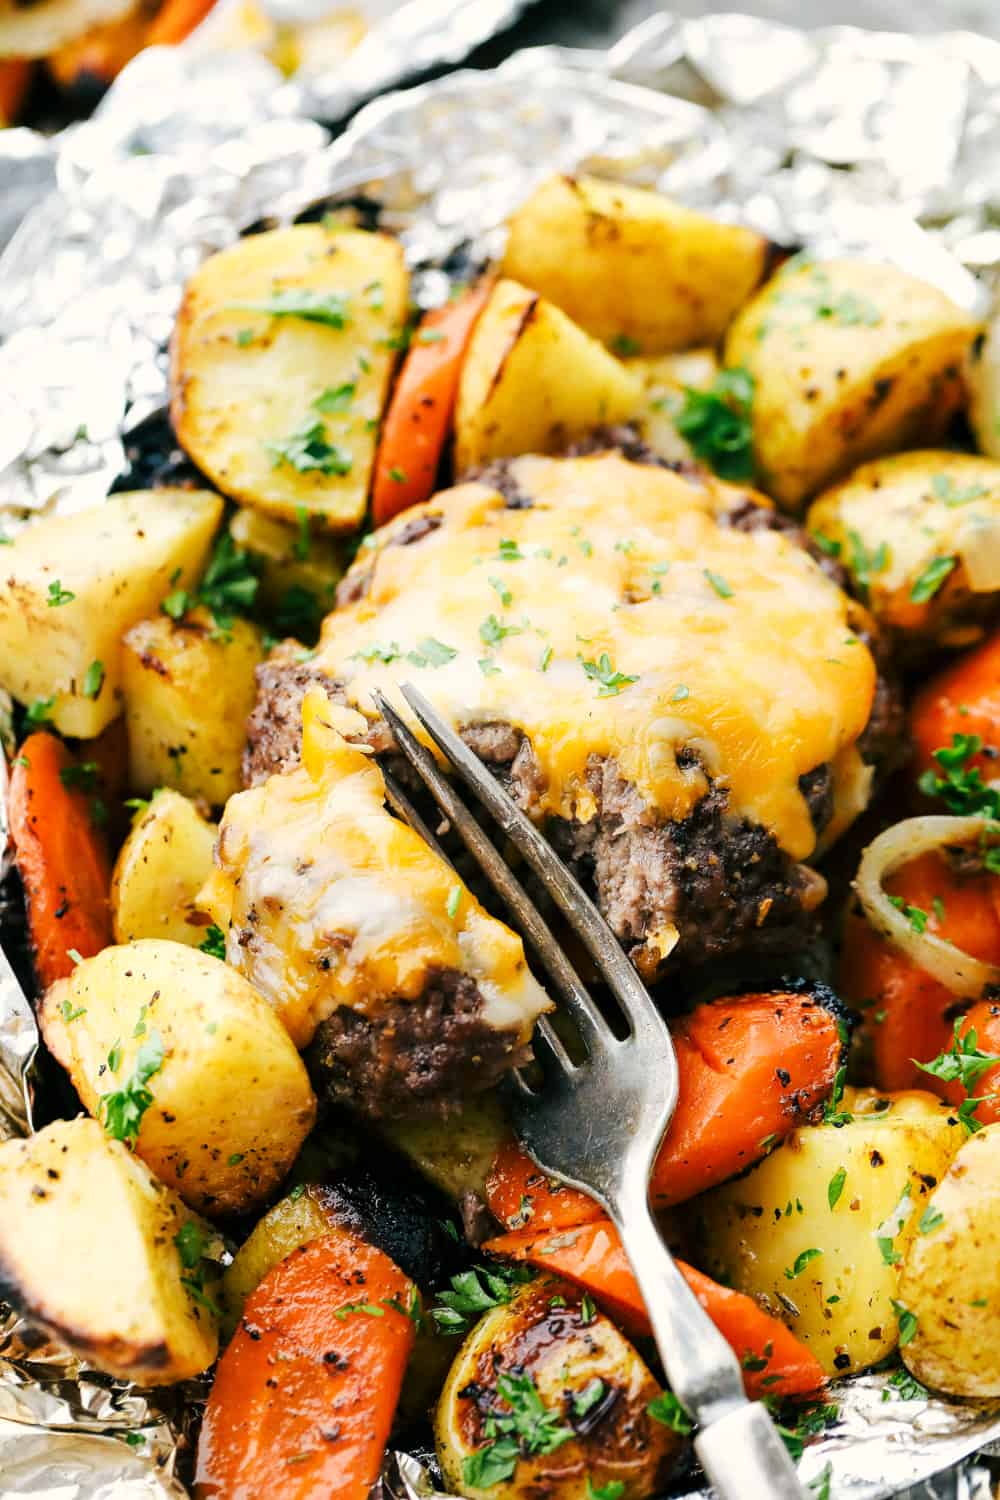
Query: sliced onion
[[898, 845], [980, 556]]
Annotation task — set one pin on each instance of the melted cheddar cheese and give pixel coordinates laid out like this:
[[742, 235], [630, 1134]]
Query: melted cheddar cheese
[[329, 900], [617, 617]]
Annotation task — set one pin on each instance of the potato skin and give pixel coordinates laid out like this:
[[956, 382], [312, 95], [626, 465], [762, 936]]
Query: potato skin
[[117, 561], [633, 268], [951, 1276], [532, 379], [894, 518], [87, 1248], [189, 689], [232, 1102], [754, 1230], [551, 1342], [850, 359], [241, 379], [160, 869]]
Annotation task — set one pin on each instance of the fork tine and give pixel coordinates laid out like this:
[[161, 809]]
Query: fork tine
[[552, 1052], [572, 900], [588, 1019]]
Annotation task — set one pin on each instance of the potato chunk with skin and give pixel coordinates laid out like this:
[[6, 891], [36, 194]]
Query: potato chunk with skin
[[532, 379], [817, 1231], [159, 871], [70, 586], [950, 1283], [919, 534], [633, 268], [88, 1249], [543, 1344], [189, 688], [231, 1101], [280, 363], [850, 359]]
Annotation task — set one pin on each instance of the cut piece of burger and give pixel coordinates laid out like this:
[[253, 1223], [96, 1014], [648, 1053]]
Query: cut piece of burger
[[666, 680], [363, 939]]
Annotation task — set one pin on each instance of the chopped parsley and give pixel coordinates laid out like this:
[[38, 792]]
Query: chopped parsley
[[228, 588], [718, 583], [828, 545], [328, 308], [302, 545], [506, 597], [588, 1312], [835, 1186], [902, 1384], [379, 651], [613, 1490], [584, 1401], [336, 398], [474, 1292], [680, 692], [833, 1114], [509, 551], [530, 1427], [603, 672], [492, 631], [932, 1218], [244, 337], [820, 1486], [667, 1409], [431, 653], [93, 680], [58, 595], [350, 1308], [961, 788], [83, 776], [69, 1014], [907, 1322], [398, 476], [454, 897], [191, 1246], [864, 564], [963, 1063], [308, 451], [931, 579], [717, 423], [943, 488], [915, 915], [624, 345], [487, 667], [123, 1109], [800, 1263], [890, 1255], [214, 942], [36, 715]]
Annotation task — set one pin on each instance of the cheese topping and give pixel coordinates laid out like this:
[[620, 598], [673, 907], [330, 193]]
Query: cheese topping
[[617, 617], [328, 900]]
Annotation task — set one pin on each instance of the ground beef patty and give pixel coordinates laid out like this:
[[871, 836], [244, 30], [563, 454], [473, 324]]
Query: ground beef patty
[[415, 1057]]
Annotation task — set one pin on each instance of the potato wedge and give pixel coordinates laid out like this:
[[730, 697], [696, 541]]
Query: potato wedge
[[159, 871], [664, 381], [851, 359], [455, 1153], [280, 363], [188, 690], [568, 1358], [919, 534], [88, 1248], [70, 586], [636, 270], [231, 1102], [532, 379], [950, 1282], [299, 571], [817, 1230]]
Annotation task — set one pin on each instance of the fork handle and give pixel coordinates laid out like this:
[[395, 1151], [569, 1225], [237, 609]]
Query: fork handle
[[744, 1457]]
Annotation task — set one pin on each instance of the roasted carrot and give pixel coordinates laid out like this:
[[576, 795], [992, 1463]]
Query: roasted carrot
[[963, 699], [419, 415], [752, 1068], [93, 61], [905, 1011], [983, 1019], [773, 1359], [305, 1393], [61, 856], [175, 20], [15, 76]]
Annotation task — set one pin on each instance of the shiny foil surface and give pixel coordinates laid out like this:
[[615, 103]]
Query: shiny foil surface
[[822, 139]]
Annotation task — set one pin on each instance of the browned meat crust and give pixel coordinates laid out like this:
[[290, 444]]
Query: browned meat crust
[[414, 1057]]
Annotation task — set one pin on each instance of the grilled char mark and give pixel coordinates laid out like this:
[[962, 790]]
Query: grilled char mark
[[420, 1056]]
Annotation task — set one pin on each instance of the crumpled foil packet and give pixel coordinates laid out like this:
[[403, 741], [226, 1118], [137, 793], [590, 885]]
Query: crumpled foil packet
[[821, 139]]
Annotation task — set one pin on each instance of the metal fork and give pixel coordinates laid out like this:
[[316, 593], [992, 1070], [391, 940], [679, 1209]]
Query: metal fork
[[598, 1124]]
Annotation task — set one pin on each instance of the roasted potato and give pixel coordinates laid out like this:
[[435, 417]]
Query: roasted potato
[[949, 1288], [818, 1230], [299, 572], [280, 363], [188, 689], [850, 359], [664, 381], [159, 871], [531, 379], [229, 1100], [455, 1153], [919, 534], [578, 1363], [104, 1256], [72, 585], [983, 375], [636, 270]]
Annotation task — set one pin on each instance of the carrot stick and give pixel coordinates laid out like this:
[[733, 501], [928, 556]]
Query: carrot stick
[[176, 20], [906, 1013], [305, 1394], [61, 856], [419, 415], [752, 1068], [774, 1361], [962, 699], [15, 76]]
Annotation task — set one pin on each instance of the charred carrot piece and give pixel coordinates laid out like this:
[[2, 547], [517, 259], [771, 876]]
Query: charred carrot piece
[[305, 1393], [175, 20], [752, 1068], [94, 60], [984, 1020], [774, 1362], [906, 1013], [15, 78], [419, 416], [61, 856], [963, 699]]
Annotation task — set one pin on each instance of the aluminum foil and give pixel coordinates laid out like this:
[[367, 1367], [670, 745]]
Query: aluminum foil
[[822, 139]]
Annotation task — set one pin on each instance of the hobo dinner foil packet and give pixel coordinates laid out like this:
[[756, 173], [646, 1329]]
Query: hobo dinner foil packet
[[821, 139]]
